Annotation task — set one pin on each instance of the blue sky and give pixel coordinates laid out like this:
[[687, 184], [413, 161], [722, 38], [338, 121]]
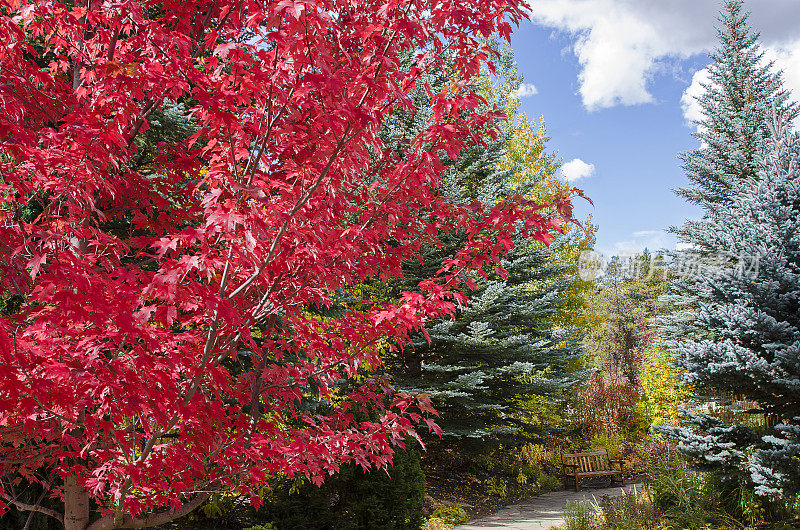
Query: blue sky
[[613, 82]]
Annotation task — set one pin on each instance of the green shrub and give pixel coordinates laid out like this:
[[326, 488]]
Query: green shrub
[[578, 516], [452, 514], [539, 456], [630, 511], [531, 464], [352, 499], [218, 506], [691, 499], [549, 483], [497, 487], [611, 442]]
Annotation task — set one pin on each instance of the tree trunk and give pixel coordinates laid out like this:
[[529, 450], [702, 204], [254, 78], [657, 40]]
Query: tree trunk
[[76, 505]]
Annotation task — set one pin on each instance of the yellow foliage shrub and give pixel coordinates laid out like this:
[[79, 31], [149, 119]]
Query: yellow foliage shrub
[[663, 390]]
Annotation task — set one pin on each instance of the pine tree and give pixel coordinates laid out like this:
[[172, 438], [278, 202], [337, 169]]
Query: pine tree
[[508, 343], [503, 345], [752, 314], [736, 105], [736, 324]]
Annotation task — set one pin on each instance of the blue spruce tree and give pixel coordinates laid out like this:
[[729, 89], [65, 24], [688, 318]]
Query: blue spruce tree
[[737, 102], [736, 327], [503, 346], [737, 105], [752, 314]]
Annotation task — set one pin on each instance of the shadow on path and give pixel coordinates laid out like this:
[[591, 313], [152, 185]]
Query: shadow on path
[[542, 512]]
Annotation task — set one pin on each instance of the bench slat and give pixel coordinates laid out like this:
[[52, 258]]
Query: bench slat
[[599, 473]]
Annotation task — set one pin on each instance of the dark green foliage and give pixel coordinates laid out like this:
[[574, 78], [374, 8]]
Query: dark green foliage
[[167, 126], [10, 305], [352, 499]]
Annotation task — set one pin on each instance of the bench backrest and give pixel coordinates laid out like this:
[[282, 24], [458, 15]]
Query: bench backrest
[[587, 462]]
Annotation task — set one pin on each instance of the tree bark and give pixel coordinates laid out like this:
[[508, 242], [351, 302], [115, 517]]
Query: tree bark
[[76, 505]]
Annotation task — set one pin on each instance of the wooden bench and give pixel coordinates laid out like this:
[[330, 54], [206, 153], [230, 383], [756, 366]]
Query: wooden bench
[[595, 464]]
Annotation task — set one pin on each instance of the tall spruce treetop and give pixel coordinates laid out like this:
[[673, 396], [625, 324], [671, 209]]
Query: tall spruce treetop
[[743, 94], [738, 99]]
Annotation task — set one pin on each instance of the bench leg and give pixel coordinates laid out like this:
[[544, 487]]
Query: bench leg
[[577, 483]]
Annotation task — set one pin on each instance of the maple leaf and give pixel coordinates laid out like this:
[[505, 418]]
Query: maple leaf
[[36, 263], [292, 6]]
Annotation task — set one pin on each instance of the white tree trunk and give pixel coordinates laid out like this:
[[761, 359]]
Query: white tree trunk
[[76, 505]]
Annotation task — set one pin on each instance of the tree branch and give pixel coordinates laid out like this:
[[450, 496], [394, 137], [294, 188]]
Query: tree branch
[[34, 508], [303, 200], [107, 522]]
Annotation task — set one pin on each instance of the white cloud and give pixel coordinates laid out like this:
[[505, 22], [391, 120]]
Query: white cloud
[[787, 58], [577, 169], [652, 240], [691, 109], [526, 90], [621, 44]]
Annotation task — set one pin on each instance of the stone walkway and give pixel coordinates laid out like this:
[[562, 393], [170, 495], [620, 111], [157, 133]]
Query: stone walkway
[[542, 512]]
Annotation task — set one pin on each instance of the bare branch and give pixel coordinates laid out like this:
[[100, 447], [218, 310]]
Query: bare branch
[[146, 111], [33, 508]]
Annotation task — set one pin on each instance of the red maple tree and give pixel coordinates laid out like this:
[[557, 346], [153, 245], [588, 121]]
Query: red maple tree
[[164, 344]]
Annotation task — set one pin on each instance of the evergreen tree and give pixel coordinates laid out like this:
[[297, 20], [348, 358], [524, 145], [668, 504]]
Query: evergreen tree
[[752, 315], [736, 327], [737, 103], [507, 343], [511, 342], [503, 345]]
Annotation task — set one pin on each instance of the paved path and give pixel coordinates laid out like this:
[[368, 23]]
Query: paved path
[[539, 513]]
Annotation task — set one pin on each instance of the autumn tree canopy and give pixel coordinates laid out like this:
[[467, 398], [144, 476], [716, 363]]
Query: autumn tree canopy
[[158, 340]]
